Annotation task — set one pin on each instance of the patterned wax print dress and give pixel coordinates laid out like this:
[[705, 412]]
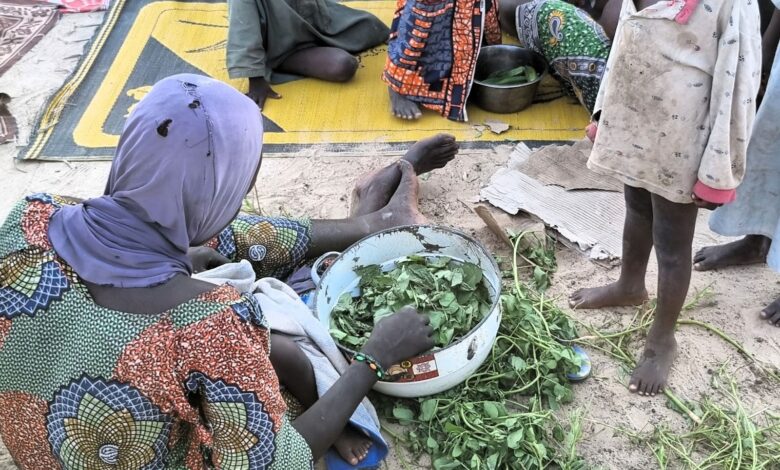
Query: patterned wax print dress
[[86, 387], [575, 47], [677, 100], [433, 49]]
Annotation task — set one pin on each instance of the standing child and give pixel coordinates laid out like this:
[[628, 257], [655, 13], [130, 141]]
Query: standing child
[[675, 112]]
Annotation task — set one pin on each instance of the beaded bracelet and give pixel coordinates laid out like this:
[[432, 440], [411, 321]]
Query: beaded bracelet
[[372, 364]]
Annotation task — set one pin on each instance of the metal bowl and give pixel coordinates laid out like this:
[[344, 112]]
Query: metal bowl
[[505, 98], [441, 369]]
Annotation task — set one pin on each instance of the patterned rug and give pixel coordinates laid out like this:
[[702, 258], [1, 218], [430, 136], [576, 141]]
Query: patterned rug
[[143, 41], [22, 24]]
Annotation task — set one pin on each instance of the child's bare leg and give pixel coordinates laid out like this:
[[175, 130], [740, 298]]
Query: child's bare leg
[[293, 369], [673, 228], [296, 374], [637, 244]]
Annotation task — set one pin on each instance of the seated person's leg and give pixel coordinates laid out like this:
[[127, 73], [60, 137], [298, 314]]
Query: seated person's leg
[[401, 209], [388, 198], [373, 191], [326, 63], [293, 369], [296, 374]]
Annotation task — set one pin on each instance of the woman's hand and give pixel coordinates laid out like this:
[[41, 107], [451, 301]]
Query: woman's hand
[[260, 90], [203, 259], [400, 336]]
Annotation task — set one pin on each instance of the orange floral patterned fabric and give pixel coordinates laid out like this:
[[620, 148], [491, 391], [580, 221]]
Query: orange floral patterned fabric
[[433, 51]]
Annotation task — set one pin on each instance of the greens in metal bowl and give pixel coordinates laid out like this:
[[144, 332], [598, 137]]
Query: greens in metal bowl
[[452, 293]]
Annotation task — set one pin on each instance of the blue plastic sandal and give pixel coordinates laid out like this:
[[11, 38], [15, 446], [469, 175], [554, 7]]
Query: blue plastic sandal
[[584, 371]]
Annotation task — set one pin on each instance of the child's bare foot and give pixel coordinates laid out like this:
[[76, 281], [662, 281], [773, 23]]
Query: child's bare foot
[[772, 313], [403, 108], [611, 295], [652, 371], [432, 153], [352, 446], [750, 250], [402, 208]]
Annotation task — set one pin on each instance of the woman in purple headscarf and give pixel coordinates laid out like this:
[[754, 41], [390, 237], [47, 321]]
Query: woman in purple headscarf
[[112, 355]]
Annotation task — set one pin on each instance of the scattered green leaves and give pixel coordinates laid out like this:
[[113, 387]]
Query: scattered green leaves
[[487, 423], [539, 253], [726, 436], [453, 294], [515, 76], [720, 436]]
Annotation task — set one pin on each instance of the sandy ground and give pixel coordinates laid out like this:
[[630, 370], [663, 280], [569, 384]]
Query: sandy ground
[[318, 186]]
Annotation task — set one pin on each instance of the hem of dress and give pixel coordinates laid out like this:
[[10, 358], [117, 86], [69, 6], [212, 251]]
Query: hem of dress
[[635, 183], [725, 229], [246, 73]]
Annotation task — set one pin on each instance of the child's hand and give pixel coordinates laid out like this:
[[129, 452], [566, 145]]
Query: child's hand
[[591, 130], [702, 204]]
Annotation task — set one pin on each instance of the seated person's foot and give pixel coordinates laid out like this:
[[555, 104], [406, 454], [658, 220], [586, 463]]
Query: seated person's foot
[[402, 208], [611, 295], [772, 313], [432, 153], [374, 190], [750, 250], [652, 372], [403, 108], [352, 445]]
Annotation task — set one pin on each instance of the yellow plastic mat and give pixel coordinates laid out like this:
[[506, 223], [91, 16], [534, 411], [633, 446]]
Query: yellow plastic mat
[[143, 41]]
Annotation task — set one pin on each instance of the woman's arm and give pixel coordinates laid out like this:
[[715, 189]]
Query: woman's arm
[[398, 337]]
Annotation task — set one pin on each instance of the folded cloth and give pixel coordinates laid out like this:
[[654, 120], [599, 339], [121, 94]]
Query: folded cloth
[[287, 314], [301, 281]]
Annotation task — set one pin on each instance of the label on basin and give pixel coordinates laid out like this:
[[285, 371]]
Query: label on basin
[[414, 370]]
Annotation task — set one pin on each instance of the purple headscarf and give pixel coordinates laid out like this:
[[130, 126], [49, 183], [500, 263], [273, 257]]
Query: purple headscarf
[[187, 156]]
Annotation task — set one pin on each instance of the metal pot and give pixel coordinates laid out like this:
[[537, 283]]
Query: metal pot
[[437, 370], [505, 98]]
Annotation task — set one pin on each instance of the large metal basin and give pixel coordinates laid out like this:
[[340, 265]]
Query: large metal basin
[[437, 370], [505, 98]]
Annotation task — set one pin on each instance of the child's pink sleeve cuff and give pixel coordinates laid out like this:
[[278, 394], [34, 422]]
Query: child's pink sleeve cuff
[[715, 196]]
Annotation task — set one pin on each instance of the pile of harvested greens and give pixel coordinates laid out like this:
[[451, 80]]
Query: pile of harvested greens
[[453, 294], [515, 76], [502, 416]]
